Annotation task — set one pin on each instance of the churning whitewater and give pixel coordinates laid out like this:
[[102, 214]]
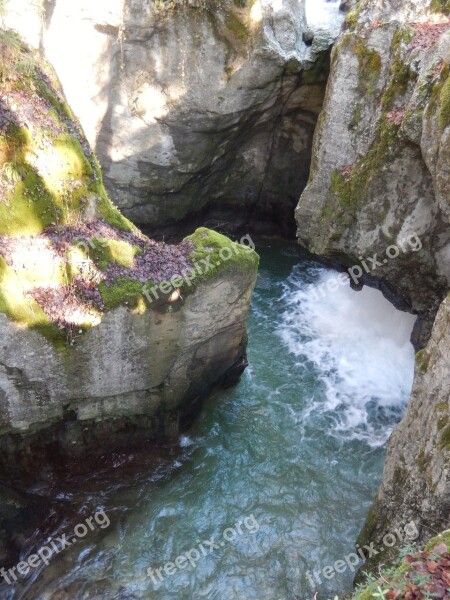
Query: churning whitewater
[[295, 448], [359, 346]]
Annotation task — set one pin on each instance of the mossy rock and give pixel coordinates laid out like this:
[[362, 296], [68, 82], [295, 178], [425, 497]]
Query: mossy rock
[[400, 74], [444, 441], [48, 174], [25, 311], [237, 27], [422, 461], [369, 62], [369, 68], [105, 252], [51, 188], [351, 185], [352, 17], [220, 252], [212, 253], [422, 360], [444, 105], [351, 188], [356, 117]]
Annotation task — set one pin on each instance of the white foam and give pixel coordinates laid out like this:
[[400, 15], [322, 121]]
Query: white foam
[[359, 344], [324, 15], [185, 441]]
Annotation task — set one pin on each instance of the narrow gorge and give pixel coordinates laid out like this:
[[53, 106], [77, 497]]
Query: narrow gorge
[[224, 299]]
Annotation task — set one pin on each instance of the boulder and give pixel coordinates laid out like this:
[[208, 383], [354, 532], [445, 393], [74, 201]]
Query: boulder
[[104, 331], [378, 195], [416, 484], [199, 112]]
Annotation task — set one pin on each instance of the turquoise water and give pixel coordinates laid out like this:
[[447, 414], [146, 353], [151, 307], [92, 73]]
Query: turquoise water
[[286, 463]]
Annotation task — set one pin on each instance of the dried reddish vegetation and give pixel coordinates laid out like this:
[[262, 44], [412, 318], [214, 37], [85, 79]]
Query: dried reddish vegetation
[[156, 261], [376, 24], [66, 304], [428, 576], [427, 34], [396, 116], [346, 170]]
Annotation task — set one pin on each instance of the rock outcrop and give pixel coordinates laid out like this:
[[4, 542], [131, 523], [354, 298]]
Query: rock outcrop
[[416, 483], [106, 335], [380, 168], [199, 112], [377, 203]]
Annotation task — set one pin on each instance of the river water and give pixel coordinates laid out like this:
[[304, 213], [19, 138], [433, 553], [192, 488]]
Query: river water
[[324, 14], [286, 463]]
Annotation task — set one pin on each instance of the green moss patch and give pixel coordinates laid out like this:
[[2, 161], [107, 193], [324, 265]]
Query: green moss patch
[[422, 360], [237, 27], [442, 6], [122, 291], [369, 67], [351, 20], [23, 310], [104, 252], [444, 105], [219, 252], [351, 187], [444, 442]]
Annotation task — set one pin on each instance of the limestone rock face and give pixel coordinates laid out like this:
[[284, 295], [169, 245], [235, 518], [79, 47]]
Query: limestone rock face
[[380, 166], [378, 203], [147, 370], [416, 482], [103, 330], [196, 110]]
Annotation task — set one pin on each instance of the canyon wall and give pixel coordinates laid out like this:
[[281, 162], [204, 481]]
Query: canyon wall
[[199, 112], [378, 203], [381, 159], [108, 337], [416, 484]]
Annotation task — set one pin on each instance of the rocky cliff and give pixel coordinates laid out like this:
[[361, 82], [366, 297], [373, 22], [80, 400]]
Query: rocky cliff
[[381, 155], [199, 111], [377, 203], [416, 483], [107, 336]]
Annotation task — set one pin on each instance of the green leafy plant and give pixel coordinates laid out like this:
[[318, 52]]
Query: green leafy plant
[[407, 550], [421, 574], [380, 593]]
